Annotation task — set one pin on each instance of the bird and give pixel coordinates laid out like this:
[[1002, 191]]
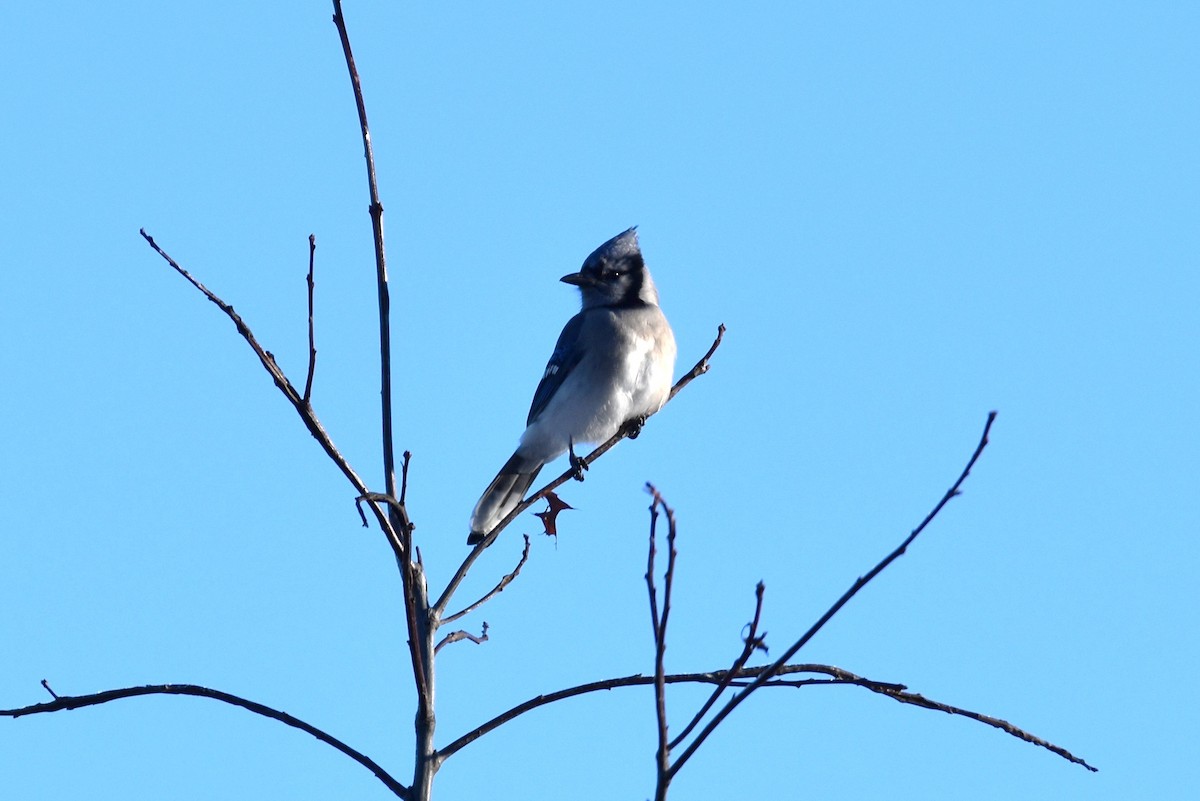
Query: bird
[[612, 366]]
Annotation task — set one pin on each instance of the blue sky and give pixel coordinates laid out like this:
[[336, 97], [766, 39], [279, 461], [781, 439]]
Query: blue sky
[[905, 216]]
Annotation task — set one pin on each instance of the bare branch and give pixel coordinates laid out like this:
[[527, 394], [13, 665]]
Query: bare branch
[[62, 702], [833, 610], [312, 341], [417, 618], [919, 700], [456, 636], [837, 676], [499, 588], [699, 369], [302, 407], [376, 211], [659, 620]]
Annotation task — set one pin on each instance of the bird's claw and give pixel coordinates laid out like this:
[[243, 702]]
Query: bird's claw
[[633, 427], [577, 463]]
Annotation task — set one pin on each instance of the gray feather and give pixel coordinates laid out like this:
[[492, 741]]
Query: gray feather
[[507, 490]]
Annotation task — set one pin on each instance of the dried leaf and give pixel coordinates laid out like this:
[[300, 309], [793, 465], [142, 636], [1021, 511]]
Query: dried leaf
[[549, 517]]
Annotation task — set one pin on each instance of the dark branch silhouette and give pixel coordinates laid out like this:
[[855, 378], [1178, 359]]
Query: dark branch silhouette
[[837, 676], [62, 702], [312, 339]]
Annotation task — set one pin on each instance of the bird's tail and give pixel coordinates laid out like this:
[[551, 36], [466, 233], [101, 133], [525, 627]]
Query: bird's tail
[[503, 494]]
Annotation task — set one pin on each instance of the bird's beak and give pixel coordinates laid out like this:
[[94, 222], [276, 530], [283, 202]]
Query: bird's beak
[[578, 279]]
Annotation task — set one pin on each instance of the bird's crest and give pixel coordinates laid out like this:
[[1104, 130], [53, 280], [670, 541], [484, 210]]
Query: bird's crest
[[621, 246]]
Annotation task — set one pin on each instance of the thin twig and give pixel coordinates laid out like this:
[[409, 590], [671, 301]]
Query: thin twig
[[753, 641], [499, 588], [312, 340], [378, 497], [875, 686], [737, 699], [699, 369], [404, 477], [919, 700], [895, 691], [456, 636], [78, 701]]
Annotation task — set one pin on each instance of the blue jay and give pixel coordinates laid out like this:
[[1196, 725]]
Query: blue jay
[[613, 364]]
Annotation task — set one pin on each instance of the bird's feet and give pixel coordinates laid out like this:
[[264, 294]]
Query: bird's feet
[[633, 426], [577, 463]]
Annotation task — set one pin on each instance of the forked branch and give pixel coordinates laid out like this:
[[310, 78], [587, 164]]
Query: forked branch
[[302, 406], [770, 672]]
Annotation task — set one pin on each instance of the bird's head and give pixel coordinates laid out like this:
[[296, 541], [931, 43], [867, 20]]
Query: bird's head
[[615, 274]]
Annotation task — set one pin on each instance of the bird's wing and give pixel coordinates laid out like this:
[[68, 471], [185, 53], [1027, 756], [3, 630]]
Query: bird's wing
[[567, 353]]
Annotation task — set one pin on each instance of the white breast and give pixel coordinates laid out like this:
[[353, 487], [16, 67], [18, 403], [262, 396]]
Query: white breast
[[625, 373]]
